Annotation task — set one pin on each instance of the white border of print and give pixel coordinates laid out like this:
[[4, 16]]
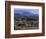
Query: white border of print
[[26, 31]]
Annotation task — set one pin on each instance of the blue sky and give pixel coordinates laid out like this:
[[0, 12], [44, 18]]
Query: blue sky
[[26, 11]]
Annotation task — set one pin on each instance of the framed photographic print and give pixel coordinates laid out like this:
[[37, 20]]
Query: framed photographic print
[[24, 19]]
